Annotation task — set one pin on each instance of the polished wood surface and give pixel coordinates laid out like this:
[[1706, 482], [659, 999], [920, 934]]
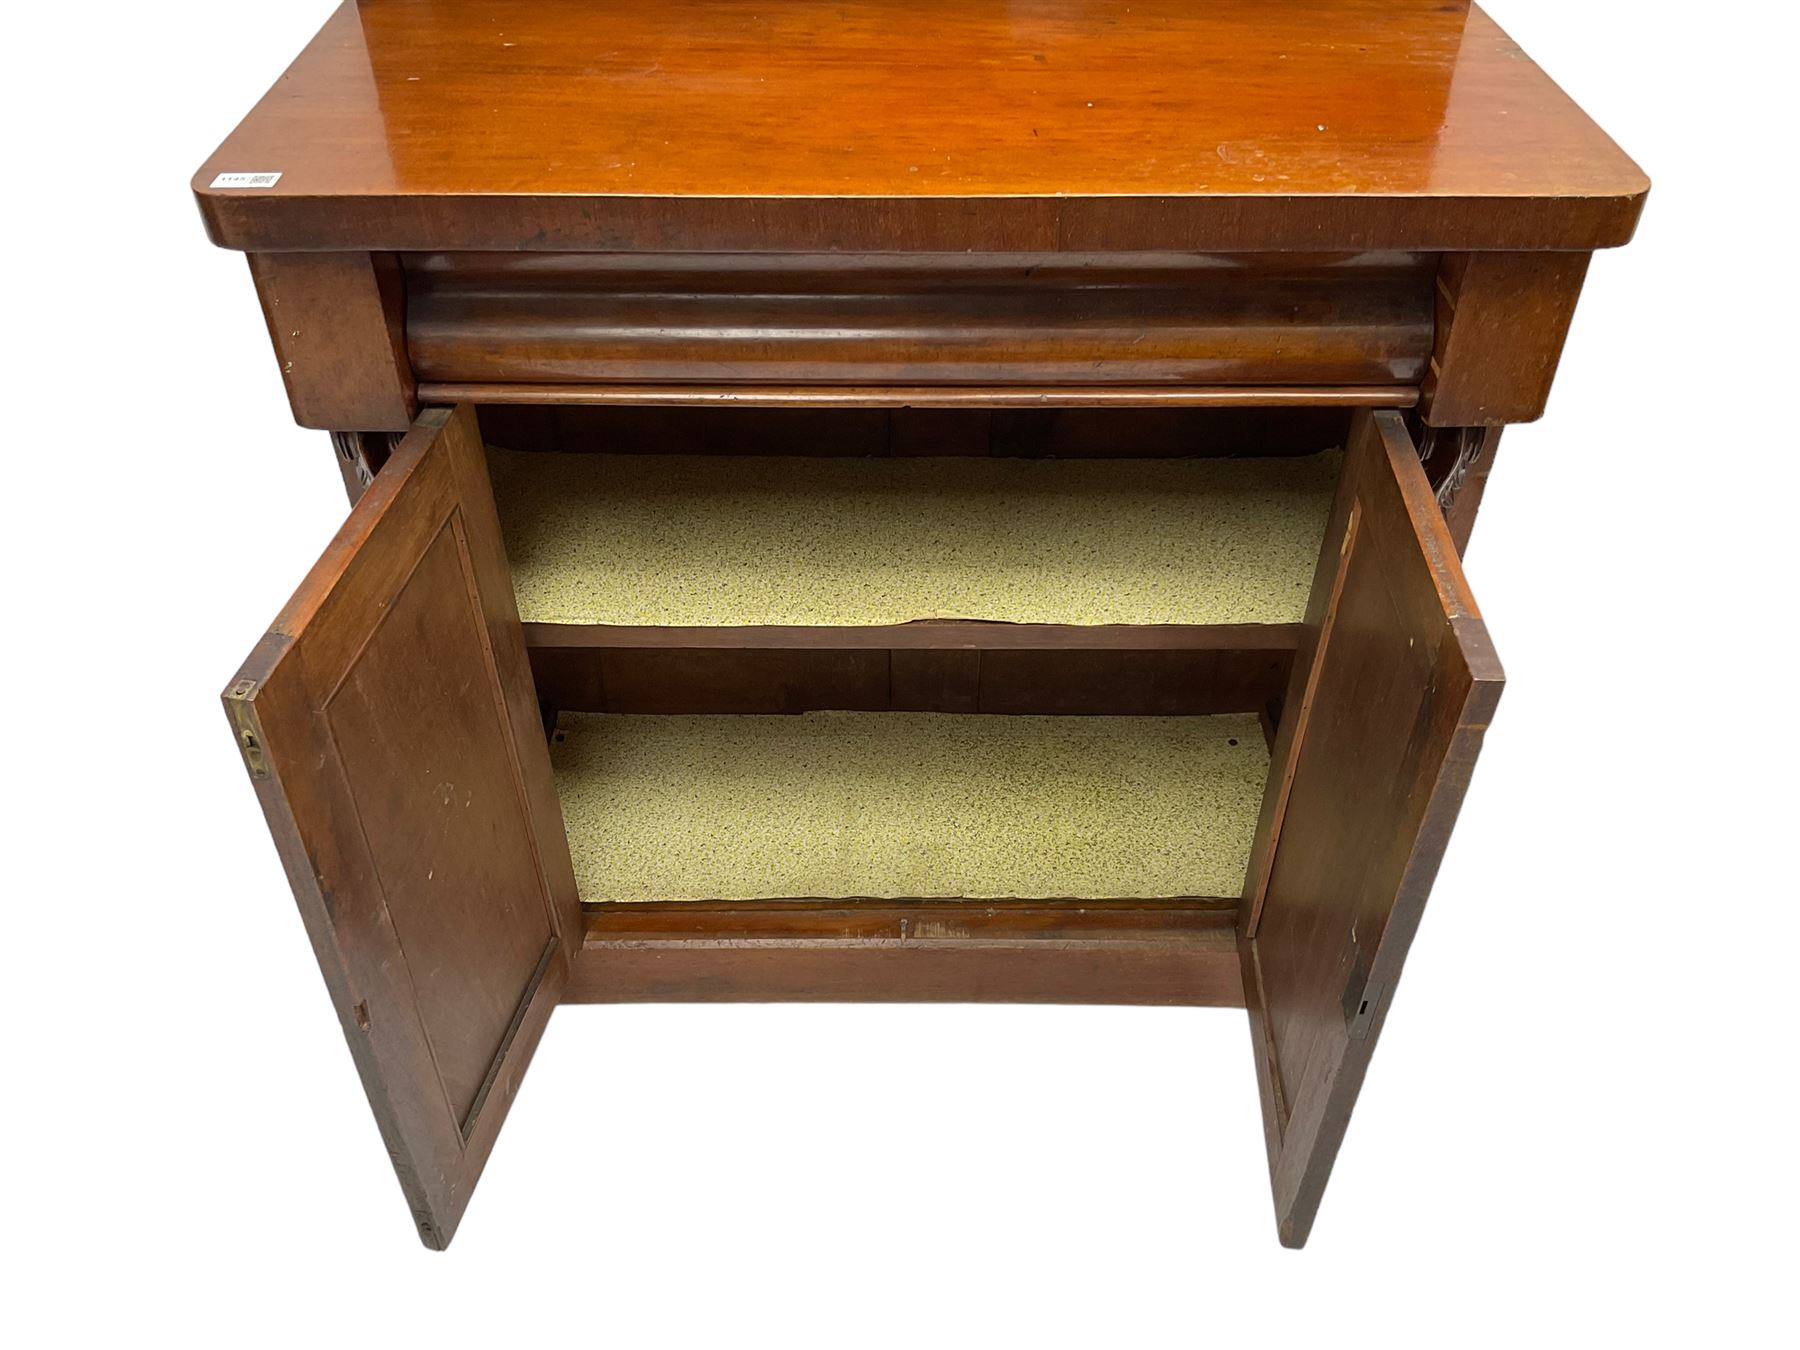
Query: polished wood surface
[[1400, 699], [883, 125], [391, 730], [920, 319], [1133, 952], [1501, 322], [336, 322], [1127, 396]]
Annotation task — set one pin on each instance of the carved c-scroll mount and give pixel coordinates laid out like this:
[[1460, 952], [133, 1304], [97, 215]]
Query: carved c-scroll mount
[[1449, 455], [360, 455]]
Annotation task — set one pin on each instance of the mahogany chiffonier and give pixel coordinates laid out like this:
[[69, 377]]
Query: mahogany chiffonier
[[890, 500]]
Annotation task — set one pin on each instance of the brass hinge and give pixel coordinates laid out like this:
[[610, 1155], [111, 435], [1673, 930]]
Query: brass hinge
[[240, 703]]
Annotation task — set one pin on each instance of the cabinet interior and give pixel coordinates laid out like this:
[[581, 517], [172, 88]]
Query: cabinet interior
[[842, 777], [784, 540], [898, 655]]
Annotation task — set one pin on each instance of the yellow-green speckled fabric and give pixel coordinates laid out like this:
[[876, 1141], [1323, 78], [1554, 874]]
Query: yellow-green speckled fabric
[[725, 540], [925, 805]]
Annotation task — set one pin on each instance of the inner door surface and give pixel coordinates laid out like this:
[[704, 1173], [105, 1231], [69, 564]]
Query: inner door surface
[[391, 729], [1400, 687]]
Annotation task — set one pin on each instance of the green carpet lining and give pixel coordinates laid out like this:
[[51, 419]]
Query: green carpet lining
[[729, 540], [918, 805]]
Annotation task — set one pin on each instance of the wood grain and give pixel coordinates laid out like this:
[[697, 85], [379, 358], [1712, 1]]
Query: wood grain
[[524, 318], [1501, 322], [935, 125], [987, 396], [1401, 700], [1137, 952], [392, 734], [337, 326]]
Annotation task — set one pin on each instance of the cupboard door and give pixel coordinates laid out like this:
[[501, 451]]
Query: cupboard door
[[1400, 688], [391, 730]]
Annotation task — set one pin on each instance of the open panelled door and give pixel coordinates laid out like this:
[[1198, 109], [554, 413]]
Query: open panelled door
[[1397, 686], [389, 723]]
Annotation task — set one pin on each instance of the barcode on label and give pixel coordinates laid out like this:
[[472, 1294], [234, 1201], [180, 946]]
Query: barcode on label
[[246, 180]]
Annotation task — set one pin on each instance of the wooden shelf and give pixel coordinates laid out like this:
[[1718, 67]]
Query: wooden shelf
[[909, 805], [988, 552]]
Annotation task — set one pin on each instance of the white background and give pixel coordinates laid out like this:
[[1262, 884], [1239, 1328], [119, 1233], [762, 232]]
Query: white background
[[1580, 1124]]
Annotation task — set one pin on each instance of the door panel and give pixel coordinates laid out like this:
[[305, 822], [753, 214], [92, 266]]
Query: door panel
[[391, 730], [1403, 685]]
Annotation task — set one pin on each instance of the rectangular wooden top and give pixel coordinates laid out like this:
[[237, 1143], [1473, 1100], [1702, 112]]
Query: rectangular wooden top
[[918, 125]]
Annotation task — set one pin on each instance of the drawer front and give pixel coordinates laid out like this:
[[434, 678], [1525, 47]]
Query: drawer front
[[575, 319]]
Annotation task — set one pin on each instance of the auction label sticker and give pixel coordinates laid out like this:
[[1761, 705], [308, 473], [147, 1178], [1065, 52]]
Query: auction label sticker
[[246, 180]]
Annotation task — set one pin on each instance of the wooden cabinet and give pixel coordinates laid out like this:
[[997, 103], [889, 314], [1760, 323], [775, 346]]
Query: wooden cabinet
[[948, 832], [806, 563]]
